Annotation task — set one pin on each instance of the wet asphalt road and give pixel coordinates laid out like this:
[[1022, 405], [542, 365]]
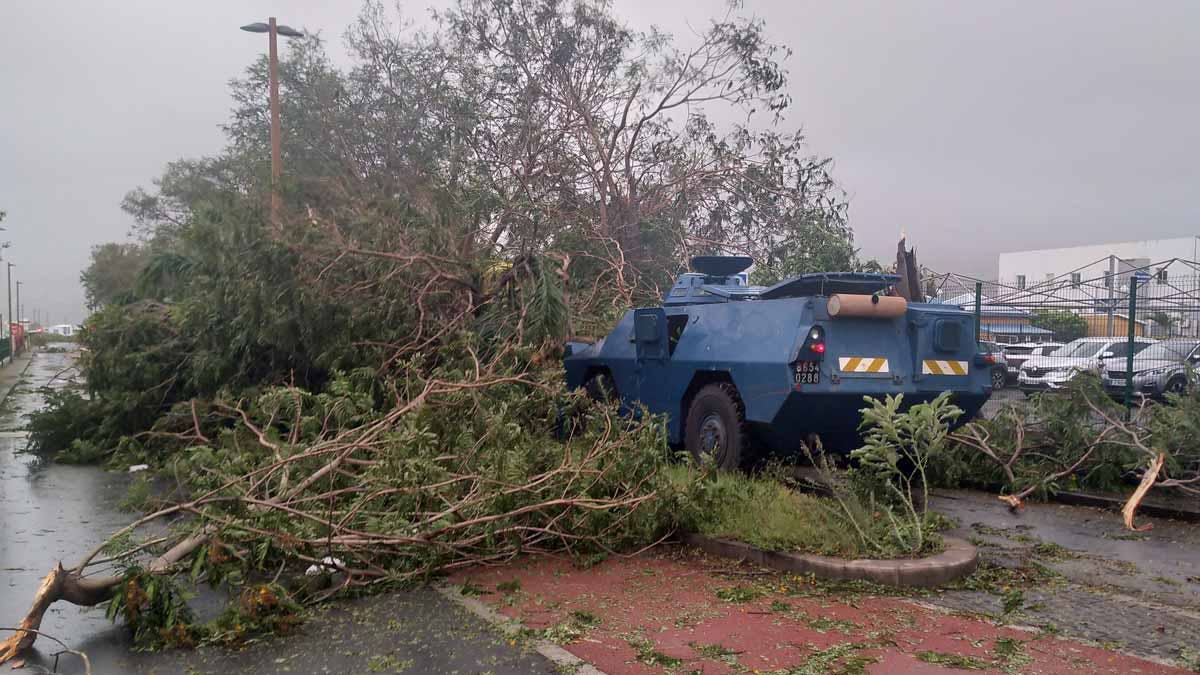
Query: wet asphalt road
[[52, 512]]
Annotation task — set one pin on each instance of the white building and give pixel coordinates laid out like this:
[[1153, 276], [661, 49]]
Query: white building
[[1092, 262], [62, 329], [1096, 278]]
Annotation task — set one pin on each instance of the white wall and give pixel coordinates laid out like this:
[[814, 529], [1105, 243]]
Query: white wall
[[1035, 265]]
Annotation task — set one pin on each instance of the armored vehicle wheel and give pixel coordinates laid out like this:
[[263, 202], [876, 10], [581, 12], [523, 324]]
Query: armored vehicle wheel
[[999, 378], [600, 387], [715, 426]]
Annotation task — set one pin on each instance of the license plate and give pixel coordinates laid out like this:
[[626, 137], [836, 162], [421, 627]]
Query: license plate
[[808, 372], [1117, 383]]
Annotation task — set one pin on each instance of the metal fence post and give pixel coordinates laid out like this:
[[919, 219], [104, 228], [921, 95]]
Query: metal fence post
[[1132, 344], [978, 307]]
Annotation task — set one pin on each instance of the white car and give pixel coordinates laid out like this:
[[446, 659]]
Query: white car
[[1018, 354], [1042, 373]]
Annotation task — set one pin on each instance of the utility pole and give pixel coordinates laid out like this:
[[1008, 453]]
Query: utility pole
[[12, 340], [1112, 289], [18, 316], [273, 30]]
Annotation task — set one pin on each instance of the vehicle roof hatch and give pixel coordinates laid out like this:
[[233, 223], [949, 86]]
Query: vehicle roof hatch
[[828, 283]]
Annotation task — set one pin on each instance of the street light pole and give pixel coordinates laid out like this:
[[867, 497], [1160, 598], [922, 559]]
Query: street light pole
[[273, 30], [18, 316], [12, 340], [276, 150]]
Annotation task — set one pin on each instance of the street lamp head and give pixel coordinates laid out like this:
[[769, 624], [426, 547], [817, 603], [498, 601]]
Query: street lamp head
[[286, 31]]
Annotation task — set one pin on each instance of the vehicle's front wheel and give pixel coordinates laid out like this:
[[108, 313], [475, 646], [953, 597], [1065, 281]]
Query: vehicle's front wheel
[[716, 426], [1176, 385], [600, 387], [999, 378]]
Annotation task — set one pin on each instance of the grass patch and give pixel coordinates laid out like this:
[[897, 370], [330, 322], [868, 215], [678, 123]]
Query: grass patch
[[647, 654], [840, 659], [576, 626], [509, 586], [765, 513], [1008, 655], [740, 594], [825, 624], [1052, 552], [953, 660], [1000, 580]]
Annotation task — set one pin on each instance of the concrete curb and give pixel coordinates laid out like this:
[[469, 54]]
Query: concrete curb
[[560, 657], [8, 392], [958, 560]]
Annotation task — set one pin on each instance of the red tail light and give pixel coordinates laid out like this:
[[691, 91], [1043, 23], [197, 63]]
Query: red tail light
[[818, 347]]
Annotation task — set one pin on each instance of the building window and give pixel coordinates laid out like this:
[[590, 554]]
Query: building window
[[1021, 281], [1076, 279], [1162, 276]]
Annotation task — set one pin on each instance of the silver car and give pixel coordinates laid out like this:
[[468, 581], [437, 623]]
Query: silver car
[[1163, 368], [1042, 373]]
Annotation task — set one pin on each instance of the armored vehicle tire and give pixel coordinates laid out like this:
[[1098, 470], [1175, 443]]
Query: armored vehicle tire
[[600, 387], [715, 425]]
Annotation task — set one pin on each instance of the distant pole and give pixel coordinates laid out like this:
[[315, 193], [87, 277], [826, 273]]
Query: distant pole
[[1132, 332], [18, 316], [273, 31], [12, 341], [276, 151], [978, 307], [1112, 289]]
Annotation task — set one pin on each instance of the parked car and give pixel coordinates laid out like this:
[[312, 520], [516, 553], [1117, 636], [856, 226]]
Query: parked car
[[993, 355], [1041, 373], [1018, 354], [1166, 367]]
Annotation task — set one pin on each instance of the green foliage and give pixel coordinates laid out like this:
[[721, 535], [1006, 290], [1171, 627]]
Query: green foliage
[[881, 502], [261, 610], [1052, 432], [112, 273], [1065, 325], [763, 512], [155, 609]]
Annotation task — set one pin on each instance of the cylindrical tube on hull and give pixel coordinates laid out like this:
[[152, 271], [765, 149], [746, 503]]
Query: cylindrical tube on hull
[[868, 306]]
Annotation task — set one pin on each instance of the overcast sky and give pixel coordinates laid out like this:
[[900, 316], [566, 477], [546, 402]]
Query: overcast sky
[[976, 127]]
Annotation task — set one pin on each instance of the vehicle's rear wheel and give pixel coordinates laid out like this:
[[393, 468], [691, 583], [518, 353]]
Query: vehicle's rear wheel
[[600, 387], [999, 378], [1176, 385], [716, 426]]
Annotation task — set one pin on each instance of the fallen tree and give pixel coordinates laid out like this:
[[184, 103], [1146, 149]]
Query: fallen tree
[[1081, 438], [476, 462]]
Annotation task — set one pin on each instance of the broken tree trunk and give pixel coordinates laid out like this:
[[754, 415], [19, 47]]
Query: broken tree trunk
[[71, 586], [909, 286]]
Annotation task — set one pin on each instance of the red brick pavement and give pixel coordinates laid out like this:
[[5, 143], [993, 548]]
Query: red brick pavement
[[658, 613]]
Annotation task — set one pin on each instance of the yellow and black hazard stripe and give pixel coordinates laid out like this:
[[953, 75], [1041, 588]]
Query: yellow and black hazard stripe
[[862, 364], [938, 367]]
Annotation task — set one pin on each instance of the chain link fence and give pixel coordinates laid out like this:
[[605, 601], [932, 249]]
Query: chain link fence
[[1136, 325]]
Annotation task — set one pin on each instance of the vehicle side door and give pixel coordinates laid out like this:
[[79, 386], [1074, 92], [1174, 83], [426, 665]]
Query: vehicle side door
[[652, 362]]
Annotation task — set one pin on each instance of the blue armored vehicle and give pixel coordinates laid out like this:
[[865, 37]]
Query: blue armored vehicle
[[731, 364]]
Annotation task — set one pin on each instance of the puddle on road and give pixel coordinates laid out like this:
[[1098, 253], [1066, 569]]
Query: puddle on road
[[50, 513]]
